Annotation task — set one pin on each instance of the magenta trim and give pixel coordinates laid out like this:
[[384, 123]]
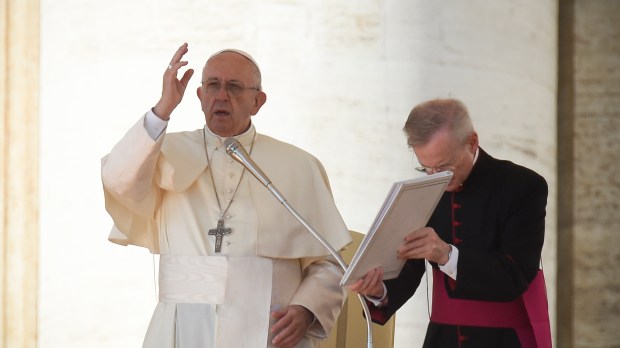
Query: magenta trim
[[528, 315]]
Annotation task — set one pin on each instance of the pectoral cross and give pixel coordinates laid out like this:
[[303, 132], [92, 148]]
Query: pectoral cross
[[219, 233]]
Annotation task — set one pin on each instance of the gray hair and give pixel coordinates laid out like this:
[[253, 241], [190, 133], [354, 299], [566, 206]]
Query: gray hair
[[427, 118]]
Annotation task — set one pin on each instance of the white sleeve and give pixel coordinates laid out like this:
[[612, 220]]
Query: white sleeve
[[377, 300], [154, 125], [450, 267]]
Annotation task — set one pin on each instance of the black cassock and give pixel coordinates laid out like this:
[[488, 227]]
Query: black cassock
[[497, 221]]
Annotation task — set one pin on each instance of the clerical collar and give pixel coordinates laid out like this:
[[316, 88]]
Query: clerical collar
[[460, 188], [476, 154], [217, 141]]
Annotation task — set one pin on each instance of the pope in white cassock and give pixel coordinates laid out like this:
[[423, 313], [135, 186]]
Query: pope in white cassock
[[236, 269]]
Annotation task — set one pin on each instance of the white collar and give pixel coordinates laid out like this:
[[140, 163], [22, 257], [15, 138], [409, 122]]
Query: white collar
[[217, 141]]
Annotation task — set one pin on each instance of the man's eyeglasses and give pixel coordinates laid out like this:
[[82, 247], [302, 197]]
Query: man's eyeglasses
[[443, 168], [232, 88]]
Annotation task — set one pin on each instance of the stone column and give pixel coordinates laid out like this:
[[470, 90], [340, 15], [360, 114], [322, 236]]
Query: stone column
[[589, 142], [19, 54]]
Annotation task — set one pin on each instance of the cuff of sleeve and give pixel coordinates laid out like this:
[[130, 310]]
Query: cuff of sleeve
[[376, 301], [316, 330], [154, 125], [450, 267]]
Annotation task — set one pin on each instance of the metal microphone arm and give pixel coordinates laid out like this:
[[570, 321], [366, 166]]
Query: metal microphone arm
[[235, 150]]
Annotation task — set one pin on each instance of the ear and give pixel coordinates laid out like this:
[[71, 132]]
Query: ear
[[259, 100], [199, 92], [473, 142]]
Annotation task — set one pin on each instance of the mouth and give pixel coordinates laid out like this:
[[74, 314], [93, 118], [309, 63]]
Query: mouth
[[221, 112]]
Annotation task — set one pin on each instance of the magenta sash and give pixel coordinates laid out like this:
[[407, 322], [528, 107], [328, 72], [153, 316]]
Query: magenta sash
[[528, 314]]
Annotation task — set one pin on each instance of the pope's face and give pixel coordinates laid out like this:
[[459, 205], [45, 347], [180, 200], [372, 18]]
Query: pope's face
[[229, 94]]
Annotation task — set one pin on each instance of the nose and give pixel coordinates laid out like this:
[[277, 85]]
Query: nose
[[222, 93]]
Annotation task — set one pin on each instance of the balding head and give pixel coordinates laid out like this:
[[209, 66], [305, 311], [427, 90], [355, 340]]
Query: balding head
[[429, 117]]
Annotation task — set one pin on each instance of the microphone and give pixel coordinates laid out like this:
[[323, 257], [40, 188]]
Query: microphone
[[235, 150]]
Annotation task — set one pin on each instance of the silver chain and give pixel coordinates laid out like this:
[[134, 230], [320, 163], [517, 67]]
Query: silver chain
[[217, 197]]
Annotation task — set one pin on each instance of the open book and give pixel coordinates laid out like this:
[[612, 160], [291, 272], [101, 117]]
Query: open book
[[408, 206]]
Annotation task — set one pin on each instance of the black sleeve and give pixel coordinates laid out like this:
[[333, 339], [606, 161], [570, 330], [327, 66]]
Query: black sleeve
[[399, 290]]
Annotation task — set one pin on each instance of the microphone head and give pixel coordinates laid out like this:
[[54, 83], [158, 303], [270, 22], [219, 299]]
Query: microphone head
[[235, 150], [232, 145]]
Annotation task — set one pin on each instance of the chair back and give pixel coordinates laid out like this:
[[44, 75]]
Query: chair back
[[350, 330]]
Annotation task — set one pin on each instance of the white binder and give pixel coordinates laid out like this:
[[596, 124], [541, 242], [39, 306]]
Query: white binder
[[407, 207]]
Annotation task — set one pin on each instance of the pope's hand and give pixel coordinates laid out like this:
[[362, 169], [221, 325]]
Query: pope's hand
[[291, 326], [173, 88]]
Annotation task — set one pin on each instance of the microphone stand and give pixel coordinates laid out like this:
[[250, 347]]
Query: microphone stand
[[235, 150]]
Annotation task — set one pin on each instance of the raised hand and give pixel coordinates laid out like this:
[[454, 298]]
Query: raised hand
[[173, 89]]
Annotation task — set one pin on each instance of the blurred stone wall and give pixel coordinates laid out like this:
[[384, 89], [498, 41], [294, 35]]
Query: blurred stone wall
[[589, 184]]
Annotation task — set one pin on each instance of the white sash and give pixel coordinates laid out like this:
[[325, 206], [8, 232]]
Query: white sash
[[239, 286], [192, 279]]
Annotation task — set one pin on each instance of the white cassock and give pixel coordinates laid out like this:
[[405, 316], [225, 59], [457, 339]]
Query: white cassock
[[160, 195]]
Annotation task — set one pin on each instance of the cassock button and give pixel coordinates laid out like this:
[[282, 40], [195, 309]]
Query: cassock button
[[456, 223], [457, 240], [456, 206]]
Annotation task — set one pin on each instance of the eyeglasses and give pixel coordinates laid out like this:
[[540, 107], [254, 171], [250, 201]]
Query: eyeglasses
[[234, 89], [443, 168]]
